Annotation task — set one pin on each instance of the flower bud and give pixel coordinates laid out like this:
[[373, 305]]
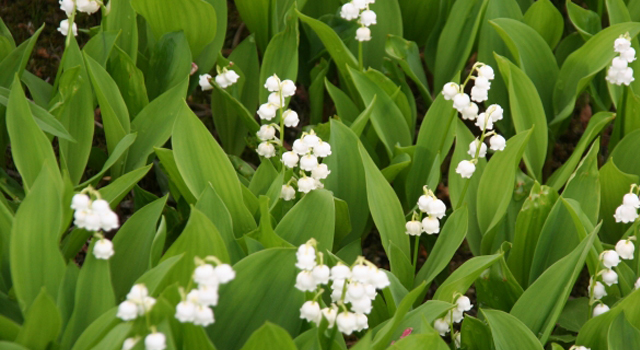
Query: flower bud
[[431, 225], [103, 249], [287, 193], [414, 228], [290, 118], [205, 82], [306, 184], [600, 309], [363, 34], [266, 150], [466, 169]]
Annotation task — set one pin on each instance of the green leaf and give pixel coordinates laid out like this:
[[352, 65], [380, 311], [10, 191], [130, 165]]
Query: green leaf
[[35, 259], [498, 288], [97, 330], [386, 117], [255, 297], [169, 63], [527, 113], [200, 238], [548, 294], [94, 297], [169, 166], [583, 64], [547, 20], [256, 15], [587, 22], [122, 17], [42, 323], [475, 334], [596, 124], [510, 333], [449, 239], [283, 44], [270, 337], [99, 47], [133, 246], [389, 22], [201, 161], [584, 184], [614, 184], [115, 337], [622, 335], [420, 341], [129, 79], [196, 18], [457, 39], [15, 63], [407, 55], [385, 207], [463, 277], [529, 223], [346, 109], [115, 191], [158, 277], [118, 151], [498, 182], [315, 206], [154, 124]]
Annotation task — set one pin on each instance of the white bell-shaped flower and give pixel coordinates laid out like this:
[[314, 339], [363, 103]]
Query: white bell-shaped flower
[[308, 162], [100, 206], [276, 99], [231, 76], [288, 88], [609, 277], [437, 208], [203, 316], [290, 159], [146, 305], [205, 82], [320, 172], [129, 343], [637, 284], [322, 149], [362, 322], [441, 326], [340, 272], [346, 322], [349, 11], [185, 311], [267, 132], [455, 315], [431, 225], [355, 291], [450, 90], [311, 140], [206, 275], [363, 34], [423, 202], [626, 214], [631, 199], [109, 221], [67, 6], [463, 303], [598, 290], [290, 118], [484, 122], [88, 6], [473, 149], [497, 142], [360, 4], [479, 95], [461, 101], [471, 112], [155, 341], [306, 184], [625, 249], [80, 202], [266, 149], [103, 249], [321, 274], [306, 257], [361, 273], [619, 64], [610, 258], [127, 311], [414, 228], [300, 147], [466, 169], [267, 111], [621, 45], [486, 71], [482, 83], [367, 18], [138, 293], [305, 281], [225, 273], [273, 83], [287, 193], [330, 313], [222, 81], [380, 280], [628, 55], [311, 312], [600, 309], [496, 112], [64, 28], [362, 305]]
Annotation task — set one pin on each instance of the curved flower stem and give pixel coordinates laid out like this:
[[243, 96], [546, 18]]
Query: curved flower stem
[[464, 193], [415, 253], [360, 58]]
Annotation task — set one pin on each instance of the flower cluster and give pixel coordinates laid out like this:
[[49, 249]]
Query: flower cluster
[[619, 72], [354, 285], [435, 209], [225, 78], [195, 306], [70, 6], [280, 90], [609, 259], [95, 215], [470, 111], [305, 154], [456, 315], [138, 303], [359, 9], [628, 211]]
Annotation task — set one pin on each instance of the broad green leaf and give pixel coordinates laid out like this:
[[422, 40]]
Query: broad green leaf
[[532, 56], [283, 44], [435, 136], [169, 166], [30, 147], [195, 337], [548, 294], [246, 117], [582, 65], [623, 154], [99, 47], [270, 337], [265, 235], [385, 207], [122, 17], [398, 164], [16, 62], [115, 115], [464, 276], [497, 288], [407, 55], [256, 15], [115, 337], [196, 18], [363, 118], [431, 341], [317, 207], [529, 223], [200, 238], [201, 161], [158, 277], [475, 334], [498, 181], [622, 335], [94, 297], [35, 259], [42, 323], [587, 22], [154, 125], [584, 184], [346, 175], [346, 109], [386, 117], [596, 124], [389, 22], [11, 346], [97, 330], [421, 317], [129, 79], [169, 64], [133, 246], [457, 39], [527, 112], [614, 184], [9, 330], [510, 333], [448, 242], [246, 308], [121, 148], [207, 58], [547, 20], [115, 191], [316, 91]]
